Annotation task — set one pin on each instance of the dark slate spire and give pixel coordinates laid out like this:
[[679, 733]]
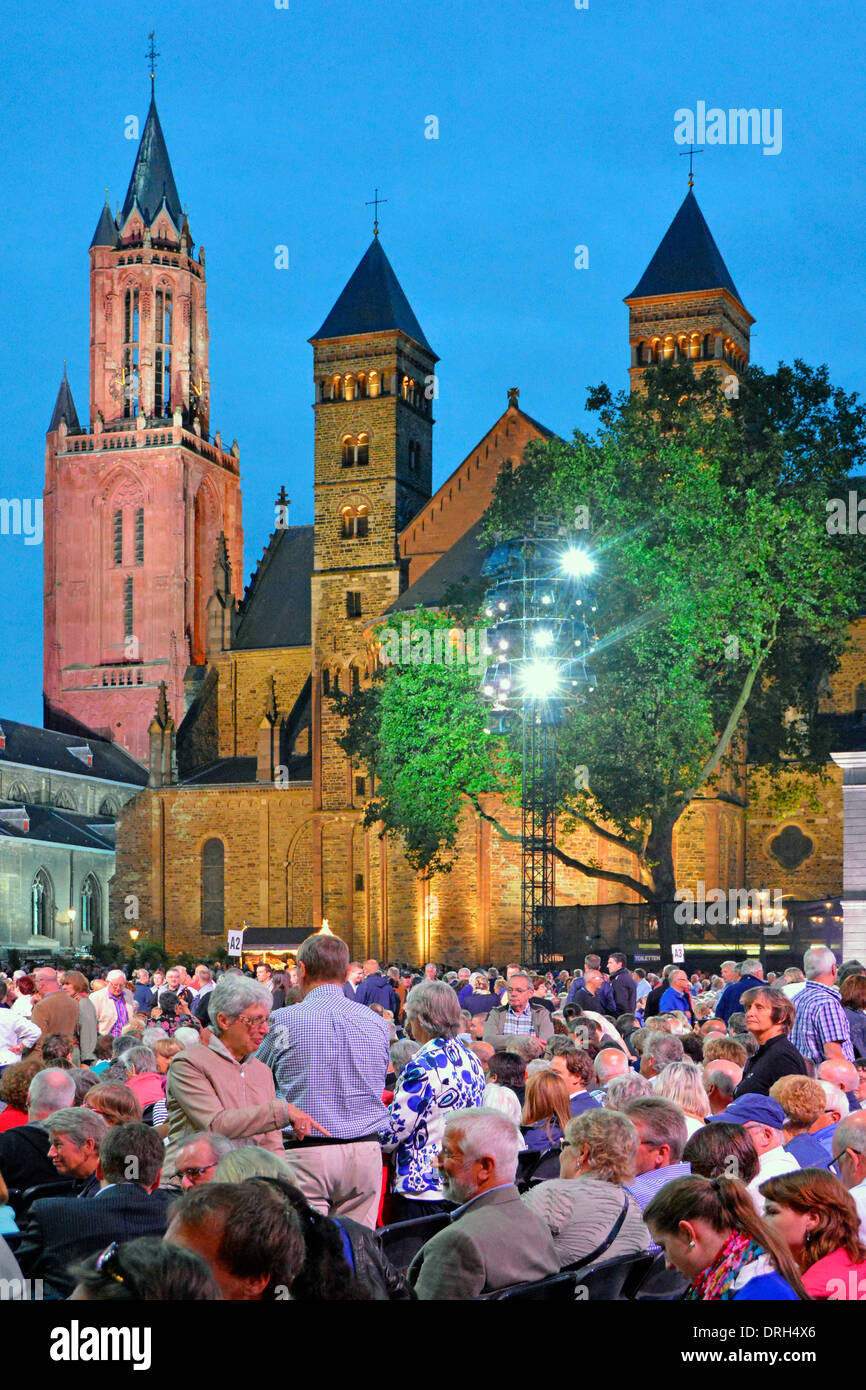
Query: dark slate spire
[[372, 302], [152, 176], [106, 227], [687, 259], [64, 408]]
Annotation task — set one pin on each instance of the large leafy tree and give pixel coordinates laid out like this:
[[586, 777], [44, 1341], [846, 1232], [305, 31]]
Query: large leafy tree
[[723, 607]]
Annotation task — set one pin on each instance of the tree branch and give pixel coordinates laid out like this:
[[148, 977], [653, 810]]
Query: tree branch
[[591, 871], [619, 840]]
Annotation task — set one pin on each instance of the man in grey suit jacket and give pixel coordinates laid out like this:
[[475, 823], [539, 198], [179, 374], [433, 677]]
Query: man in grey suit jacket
[[493, 1239]]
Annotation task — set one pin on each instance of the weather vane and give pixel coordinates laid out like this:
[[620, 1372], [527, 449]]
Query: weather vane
[[374, 202], [691, 152], [152, 55]]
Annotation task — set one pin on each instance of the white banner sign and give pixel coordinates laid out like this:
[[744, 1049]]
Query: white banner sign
[[236, 943], [678, 954]]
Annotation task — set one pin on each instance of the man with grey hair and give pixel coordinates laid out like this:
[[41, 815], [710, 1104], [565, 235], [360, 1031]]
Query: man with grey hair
[[114, 1005], [198, 1155], [661, 1128], [24, 1160], [330, 1057], [224, 1086], [849, 1160], [729, 971], [493, 1240], [721, 1079], [76, 1134], [821, 1030], [521, 1016], [621, 1089], [659, 1050], [751, 975]]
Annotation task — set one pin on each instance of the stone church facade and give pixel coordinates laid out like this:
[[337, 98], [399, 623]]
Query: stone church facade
[[253, 812]]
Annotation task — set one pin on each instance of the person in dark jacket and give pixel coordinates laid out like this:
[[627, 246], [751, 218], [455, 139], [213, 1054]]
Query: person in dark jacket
[[769, 1019], [853, 990], [751, 975], [653, 999], [619, 993], [376, 989]]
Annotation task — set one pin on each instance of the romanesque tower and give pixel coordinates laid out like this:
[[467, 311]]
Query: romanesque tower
[[374, 391], [686, 307], [135, 502]]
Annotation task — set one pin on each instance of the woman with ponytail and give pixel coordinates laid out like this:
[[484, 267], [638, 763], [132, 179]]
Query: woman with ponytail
[[710, 1231]]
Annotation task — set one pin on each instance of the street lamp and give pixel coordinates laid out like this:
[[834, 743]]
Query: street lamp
[[134, 934], [540, 610]]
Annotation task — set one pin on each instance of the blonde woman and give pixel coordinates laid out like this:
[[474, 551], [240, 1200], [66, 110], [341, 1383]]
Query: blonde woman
[[586, 1209], [681, 1082]]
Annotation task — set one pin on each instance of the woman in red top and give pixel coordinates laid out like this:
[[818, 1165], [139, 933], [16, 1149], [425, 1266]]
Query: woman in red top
[[14, 1085], [816, 1216]]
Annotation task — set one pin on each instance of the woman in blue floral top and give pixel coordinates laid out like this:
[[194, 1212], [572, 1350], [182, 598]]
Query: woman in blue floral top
[[442, 1077]]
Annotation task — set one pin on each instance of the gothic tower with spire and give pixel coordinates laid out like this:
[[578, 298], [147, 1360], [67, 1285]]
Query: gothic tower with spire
[[686, 307], [135, 503]]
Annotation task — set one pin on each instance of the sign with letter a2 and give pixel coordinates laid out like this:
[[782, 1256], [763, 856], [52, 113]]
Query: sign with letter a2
[[236, 943]]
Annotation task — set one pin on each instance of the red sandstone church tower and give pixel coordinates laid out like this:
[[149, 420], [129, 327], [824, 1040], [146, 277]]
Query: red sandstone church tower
[[135, 504]]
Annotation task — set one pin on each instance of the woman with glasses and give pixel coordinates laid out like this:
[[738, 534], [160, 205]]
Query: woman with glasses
[[815, 1215], [224, 1087], [710, 1231]]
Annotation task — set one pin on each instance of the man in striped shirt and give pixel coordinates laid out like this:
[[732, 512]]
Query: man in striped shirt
[[821, 1031]]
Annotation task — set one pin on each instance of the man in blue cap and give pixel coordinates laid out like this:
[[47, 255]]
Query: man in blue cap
[[763, 1119]]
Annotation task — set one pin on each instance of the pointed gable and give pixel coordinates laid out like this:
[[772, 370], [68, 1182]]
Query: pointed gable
[[687, 259], [372, 302], [152, 176], [64, 409]]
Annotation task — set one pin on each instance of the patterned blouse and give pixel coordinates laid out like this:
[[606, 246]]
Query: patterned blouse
[[442, 1077]]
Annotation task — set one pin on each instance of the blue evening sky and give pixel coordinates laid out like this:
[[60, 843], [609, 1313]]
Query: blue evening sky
[[556, 129]]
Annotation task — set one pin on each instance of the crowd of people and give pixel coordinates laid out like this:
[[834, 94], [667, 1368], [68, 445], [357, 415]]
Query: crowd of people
[[342, 1131]]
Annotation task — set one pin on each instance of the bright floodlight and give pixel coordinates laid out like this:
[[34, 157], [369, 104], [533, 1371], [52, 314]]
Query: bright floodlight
[[577, 562], [542, 637], [540, 680]]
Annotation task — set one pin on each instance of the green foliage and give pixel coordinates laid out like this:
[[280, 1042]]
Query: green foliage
[[723, 609]]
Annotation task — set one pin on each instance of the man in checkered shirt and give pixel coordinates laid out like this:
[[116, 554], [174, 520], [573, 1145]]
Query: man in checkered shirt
[[520, 1016], [821, 1031], [335, 1053]]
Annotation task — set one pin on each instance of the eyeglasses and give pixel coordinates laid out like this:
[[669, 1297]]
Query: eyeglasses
[[109, 1263], [253, 1022], [196, 1174]]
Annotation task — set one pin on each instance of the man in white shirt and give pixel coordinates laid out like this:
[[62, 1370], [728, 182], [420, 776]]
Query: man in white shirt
[[849, 1160], [764, 1119]]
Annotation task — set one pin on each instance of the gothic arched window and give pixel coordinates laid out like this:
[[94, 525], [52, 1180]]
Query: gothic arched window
[[354, 522], [362, 455], [90, 909], [42, 905], [213, 887]]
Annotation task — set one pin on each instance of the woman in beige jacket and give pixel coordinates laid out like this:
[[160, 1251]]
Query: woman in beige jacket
[[224, 1087]]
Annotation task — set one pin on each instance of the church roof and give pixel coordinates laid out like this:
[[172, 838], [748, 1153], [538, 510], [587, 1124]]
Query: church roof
[[152, 175], [61, 827], [275, 611], [687, 259], [372, 302], [462, 562], [106, 228], [64, 409], [25, 745]]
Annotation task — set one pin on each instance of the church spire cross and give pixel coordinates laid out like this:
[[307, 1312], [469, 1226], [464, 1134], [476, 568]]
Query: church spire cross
[[152, 55], [281, 509], [513, 395], [691, 152], [374, 203]]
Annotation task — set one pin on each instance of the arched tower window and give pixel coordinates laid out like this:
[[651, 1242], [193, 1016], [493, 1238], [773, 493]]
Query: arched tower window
[[162, 373], [669, 348], [117, 536], [348, 451], [336, 388], [18, 792], [374, 382], [90, 908], [354, 522], [139, 535], [349, 391], [363, 452], [213, 887], [131, 380], [42, 905]]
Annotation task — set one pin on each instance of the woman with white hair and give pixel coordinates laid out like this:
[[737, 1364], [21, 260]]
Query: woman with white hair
[[682, 1083], [442, 1077], [224, 1087]]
